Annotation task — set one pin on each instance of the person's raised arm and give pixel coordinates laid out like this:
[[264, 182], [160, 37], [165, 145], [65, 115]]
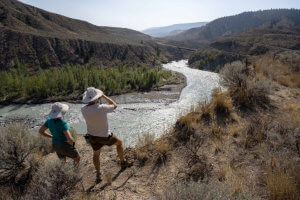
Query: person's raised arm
[[43, 132], [70, 139], [110, 101]]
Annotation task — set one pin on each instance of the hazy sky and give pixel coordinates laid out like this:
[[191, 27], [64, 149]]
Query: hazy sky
[[141, 14]]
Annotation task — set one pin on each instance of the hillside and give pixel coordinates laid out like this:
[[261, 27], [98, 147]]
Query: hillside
[[280, 41], [233, 25], [172, 29], [39, 38], [243, 144]]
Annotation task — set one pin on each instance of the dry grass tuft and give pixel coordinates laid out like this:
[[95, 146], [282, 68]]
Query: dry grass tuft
[[185, 126], [278, 71], [256, 131], [222, 175], [204, 109], [221, 103], [281, 183], [284, 80], [235, 130], [295, 79], [291, 116], [144, 147], [108, 176], [142, 155], [163, 146], [218, 145], [217, 132], [188, 121]]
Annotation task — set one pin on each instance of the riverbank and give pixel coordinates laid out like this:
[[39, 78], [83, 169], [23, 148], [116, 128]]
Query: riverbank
[[166, 88], [166, 94]]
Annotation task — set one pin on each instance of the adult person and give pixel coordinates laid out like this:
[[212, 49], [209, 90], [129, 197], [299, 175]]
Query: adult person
[[62, 140], [99, 135]]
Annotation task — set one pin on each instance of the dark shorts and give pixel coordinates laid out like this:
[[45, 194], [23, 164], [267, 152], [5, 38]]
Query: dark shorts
[[67, 150], [98, 142]]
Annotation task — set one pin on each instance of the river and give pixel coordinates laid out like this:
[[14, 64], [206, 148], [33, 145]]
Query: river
[[133, 119]]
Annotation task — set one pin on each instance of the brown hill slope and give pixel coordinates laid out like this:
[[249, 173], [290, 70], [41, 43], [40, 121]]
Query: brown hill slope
[[281, 41], [23, 18], [37, 37], [218, 151]]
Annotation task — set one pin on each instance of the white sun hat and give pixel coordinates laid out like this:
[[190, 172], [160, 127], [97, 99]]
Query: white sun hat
[[91, 94], [58, 110]]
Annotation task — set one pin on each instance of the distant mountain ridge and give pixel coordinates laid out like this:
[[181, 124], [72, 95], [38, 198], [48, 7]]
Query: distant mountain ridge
[[172, 29], [39, 38], [233, 25]]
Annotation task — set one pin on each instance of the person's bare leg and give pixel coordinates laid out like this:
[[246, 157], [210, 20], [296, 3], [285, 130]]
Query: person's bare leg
[[120, 150], [96, 160]]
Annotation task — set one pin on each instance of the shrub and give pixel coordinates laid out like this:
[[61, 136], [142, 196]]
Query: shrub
[[54, 180], [44, 145], [245, 89], [259, 91], [233, 74], [204, 191], [253, 93], [16, 146]]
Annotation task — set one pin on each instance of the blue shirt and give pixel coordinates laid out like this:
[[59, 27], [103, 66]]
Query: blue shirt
[[57, 128]]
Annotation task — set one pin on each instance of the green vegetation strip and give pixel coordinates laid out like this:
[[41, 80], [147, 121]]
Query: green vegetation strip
[[19, 82]]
